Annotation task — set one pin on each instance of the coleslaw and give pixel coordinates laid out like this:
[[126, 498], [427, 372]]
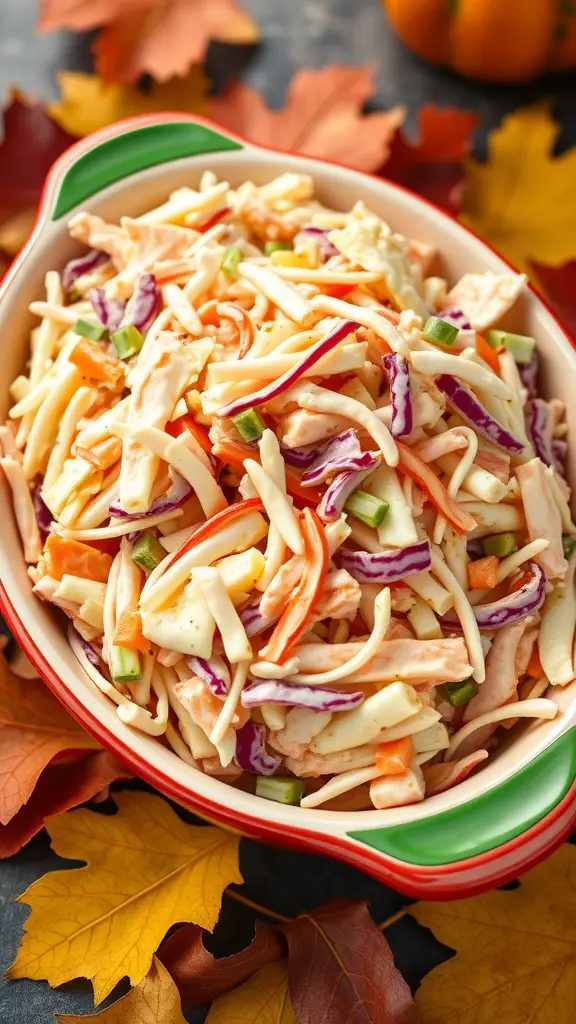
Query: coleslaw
[[298, 498]]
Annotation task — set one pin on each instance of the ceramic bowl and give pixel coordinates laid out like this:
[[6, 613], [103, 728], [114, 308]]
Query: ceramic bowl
[[523, 802]]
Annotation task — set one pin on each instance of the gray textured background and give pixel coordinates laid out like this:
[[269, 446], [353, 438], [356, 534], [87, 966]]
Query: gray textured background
[[294, 33]]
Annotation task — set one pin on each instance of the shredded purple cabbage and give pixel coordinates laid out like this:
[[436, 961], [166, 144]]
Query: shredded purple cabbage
[[251, 754], [251, 618], [456, 317], [89, 651], [559, 455], [320, 235], [310, 358], [177, 495], [474, 547], [529, 374], [341, 454], [470, 409], [396, 367], [42, 512], [339, 490], [144, 304], [511, 608], [537, 417], [301, 457], [213, 671], [108, 311], [82, 265], [296, 695], [385, 566]]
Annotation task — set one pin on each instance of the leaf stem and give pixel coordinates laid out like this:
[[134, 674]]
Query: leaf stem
[[240, 898], [393, 918]]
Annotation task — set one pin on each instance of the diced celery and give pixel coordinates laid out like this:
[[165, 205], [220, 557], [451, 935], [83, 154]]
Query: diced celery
[[124, 665], [249, 424], [148, 551], [127, 341], [87, 329], [520, 346], [569, 543], [367, 508], [459, 693], [439, 331], [501, 544], [282, 790], [232, 257], [270, 247]]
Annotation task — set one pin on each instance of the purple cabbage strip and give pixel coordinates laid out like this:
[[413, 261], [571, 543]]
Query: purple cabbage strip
[[254, 623], [511, 608], [341, 453], [89, 651], [42, 512], [280, 691], [396, 367], [320, 235], [266, 394], [456, 317], [144, 304], [251, 754], [529, 374], [559, 455], [537, 416], [301, 457], [470, 409], [213, 671], [82, 265], [385, 566], [337, 493], [177, 495], [474, 547], [108, 311]]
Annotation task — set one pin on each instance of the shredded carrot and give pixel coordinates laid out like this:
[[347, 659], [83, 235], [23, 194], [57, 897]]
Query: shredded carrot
[[534, 666], [413, 466], [487, 353], [128, 632], [95, 363], [395, 757], [103, 454], [199, 432], [234, 313], [483, 574], [213, 219], [72, 557], [239, 508], [338, 291]]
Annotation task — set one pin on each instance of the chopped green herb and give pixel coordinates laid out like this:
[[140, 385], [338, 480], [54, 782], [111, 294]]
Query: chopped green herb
[[459, 693], [148, 551], [87, 329], [270, 247], [439, 332], [232, 257], [367, 508], [282, 790], [502, 544], [249, 425], [124, 665], [127, 341]]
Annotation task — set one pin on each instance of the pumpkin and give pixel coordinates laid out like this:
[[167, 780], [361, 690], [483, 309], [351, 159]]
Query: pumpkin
[[495, 40]]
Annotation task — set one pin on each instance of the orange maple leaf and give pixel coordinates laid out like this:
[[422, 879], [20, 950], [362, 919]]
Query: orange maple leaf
[[34, 729], [157, 37], [322, 117]]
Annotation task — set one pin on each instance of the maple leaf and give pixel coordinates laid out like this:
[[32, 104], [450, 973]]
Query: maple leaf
[[157, 37], [60, 787], [31, 144], [88, 104], [200, 977], [342, 969], [522, 199], [515, 951], [433, 165], [322, 117], [34, 729], [264, 999], [154, 1001], [146, 870]]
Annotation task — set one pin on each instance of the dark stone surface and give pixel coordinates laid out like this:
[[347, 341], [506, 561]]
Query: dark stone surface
[[295, 33]]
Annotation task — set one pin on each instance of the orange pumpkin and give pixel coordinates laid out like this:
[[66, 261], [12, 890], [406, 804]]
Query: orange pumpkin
[[496, 40]]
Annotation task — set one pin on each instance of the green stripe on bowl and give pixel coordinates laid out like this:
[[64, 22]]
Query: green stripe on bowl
[[133, 151], [487, 821]]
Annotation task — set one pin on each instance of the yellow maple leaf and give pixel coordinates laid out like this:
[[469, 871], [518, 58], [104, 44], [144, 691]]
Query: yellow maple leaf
[[87, 103], [263, 999], [155, 1000], [146, 870], [515, 951], [522, 200]]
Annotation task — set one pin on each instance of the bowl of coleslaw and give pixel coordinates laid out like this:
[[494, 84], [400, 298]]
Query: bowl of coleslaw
[[286, 461]]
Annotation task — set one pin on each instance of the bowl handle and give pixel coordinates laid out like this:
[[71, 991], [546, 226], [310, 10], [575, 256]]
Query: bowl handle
[[488, 821], [127, 147]]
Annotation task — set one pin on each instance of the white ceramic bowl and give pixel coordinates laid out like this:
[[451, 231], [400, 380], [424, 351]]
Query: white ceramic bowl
[[494, 824]]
